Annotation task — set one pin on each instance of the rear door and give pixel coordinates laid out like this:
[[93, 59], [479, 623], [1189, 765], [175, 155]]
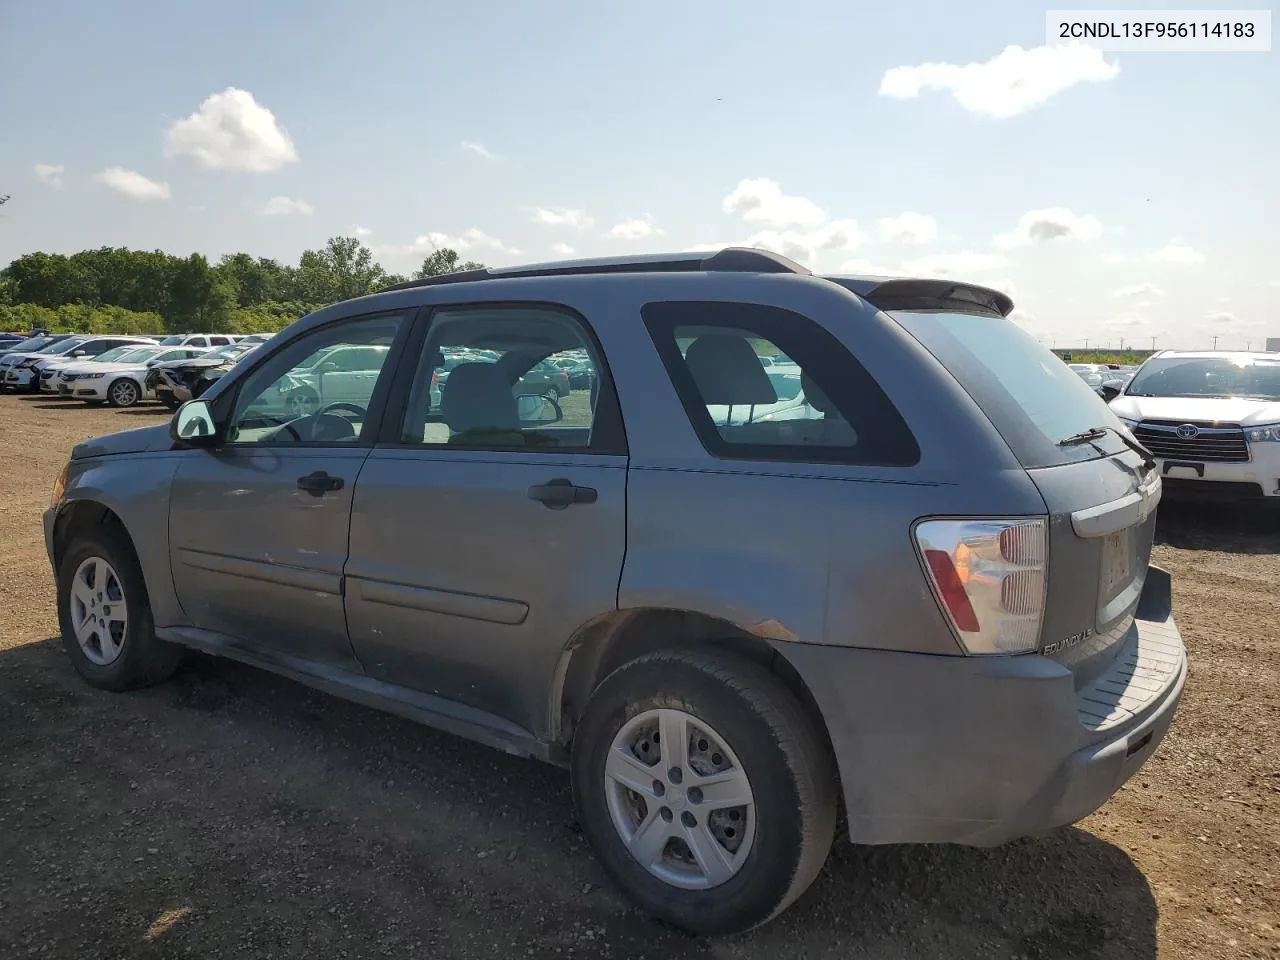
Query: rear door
[[487, 529], [258, 526], [1100, 493]]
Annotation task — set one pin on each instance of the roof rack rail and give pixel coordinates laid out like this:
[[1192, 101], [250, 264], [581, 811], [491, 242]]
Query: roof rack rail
[[728, 260]]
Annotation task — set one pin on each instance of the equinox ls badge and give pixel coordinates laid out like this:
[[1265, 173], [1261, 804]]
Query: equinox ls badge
[[1066, 643]]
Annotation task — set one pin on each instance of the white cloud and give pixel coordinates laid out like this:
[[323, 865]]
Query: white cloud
[[562, 249], [132, 184], [962, 264], [232, 131], [478, 149], [1130, 321], [1004, 285], [761, 200], [1051, 223], [909, 227], [1139, 290], [287, 207], [1115, 259], [562, 217], [50, 173], [471, 240], [633, 229], [1176, 253], [1010, 83], [360, 231]]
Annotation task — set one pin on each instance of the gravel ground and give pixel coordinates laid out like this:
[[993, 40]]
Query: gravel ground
[[230, 813]]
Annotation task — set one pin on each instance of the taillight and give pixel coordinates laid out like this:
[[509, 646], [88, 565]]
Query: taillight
[[989, 576]]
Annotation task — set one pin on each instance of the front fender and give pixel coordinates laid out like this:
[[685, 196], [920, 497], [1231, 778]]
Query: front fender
[[136, 489]]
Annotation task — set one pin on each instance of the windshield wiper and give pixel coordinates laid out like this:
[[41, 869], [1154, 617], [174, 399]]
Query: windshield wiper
[[1097, 433]]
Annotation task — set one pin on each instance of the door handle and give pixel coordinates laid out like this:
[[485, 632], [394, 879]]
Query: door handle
[[319, 483], [559, 493]]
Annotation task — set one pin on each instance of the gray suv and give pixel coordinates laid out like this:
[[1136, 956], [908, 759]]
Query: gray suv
[[920, 595]]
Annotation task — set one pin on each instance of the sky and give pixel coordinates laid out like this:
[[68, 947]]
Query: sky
[[1114, 195]]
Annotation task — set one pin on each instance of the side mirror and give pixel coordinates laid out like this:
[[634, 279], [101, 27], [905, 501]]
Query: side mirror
[[538, 411], [193, 425], [1110, 390], [328, 366], [79, 353]]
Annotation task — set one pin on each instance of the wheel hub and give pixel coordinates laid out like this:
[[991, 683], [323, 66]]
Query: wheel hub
[[679, 799]]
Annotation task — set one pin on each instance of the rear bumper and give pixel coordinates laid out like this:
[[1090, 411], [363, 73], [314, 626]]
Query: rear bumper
[[982, 750]]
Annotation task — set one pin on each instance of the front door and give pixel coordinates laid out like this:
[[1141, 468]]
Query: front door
[[488, 527], [258, 526]]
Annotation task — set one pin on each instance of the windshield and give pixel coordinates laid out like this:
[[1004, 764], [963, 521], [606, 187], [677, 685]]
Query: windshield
[[1207, 377], [26, 346], [224, 353], [1030, 396], [114, 354], [173, 341], [131, 354], [65, 346]]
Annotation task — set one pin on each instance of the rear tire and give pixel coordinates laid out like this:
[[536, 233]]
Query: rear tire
[[755, 732], [105, 615]]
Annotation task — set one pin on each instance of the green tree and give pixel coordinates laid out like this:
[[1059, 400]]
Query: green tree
[[201, 298], [50, 280], [345, 268], [442, 261]]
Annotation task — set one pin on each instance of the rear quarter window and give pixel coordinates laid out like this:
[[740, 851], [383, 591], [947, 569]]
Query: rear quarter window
[[764, 383]]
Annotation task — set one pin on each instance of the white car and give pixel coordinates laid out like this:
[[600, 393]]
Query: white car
[[1091, 373], [198, 340], [1211, 419], [25, 371], [91, 348], [119, 376]]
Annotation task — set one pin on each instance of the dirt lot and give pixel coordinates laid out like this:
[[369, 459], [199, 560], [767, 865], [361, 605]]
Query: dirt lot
[[232, 814]]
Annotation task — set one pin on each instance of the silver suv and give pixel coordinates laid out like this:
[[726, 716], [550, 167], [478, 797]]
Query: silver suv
[[922, 591]]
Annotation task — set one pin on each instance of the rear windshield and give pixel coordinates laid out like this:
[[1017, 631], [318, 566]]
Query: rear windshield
[[1207, 377], [1030, 396]]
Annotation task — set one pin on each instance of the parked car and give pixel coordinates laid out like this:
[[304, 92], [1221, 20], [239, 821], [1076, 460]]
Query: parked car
[[44, 370], [37, 346], [198, 340], [118, 377], [935, 598], [19, 368], [176, 381], [1212, 421], [1091, 373]]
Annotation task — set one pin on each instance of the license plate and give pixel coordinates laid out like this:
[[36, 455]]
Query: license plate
[[1116, 568]]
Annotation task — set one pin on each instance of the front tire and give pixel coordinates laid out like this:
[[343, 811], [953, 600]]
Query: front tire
[[105, 615], [722, 829], [124, 393]]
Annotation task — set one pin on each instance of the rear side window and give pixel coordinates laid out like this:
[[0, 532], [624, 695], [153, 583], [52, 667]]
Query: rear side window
[[1030, 396], [764, 383]]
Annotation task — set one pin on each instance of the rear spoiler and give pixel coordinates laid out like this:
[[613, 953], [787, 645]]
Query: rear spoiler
[[905, 294]]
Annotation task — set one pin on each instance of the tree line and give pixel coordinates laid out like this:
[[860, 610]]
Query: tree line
[[117, 290]]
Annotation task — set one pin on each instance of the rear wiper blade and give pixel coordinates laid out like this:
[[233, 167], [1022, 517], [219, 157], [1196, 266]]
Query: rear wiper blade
[[1084, 436], [1097, 433]]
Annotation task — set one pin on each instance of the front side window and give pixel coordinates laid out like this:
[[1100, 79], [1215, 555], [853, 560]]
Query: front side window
[[1207, 377], [496, 378], [760, 382], [304, 395]]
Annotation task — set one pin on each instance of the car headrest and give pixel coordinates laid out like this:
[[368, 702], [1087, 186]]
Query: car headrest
[[728, 372], [816, 397], [477, 396]]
